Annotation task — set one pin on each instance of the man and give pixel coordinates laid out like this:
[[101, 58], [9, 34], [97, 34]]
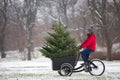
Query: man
[[89, 45]]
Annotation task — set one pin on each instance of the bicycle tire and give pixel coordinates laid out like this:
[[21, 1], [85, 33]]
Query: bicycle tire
[[93, 69], [66, 69]]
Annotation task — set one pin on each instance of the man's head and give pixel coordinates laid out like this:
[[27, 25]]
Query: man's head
[[89, 31]]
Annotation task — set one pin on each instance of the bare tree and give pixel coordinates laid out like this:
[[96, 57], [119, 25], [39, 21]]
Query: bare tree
[[56, 8], [3, 24], [115, 21], [84, 13], [16, 19], [107, 20], [62, 10], [26, 15], [117, 7], [100, 12]]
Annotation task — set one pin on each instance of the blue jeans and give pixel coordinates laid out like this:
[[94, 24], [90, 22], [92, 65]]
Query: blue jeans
[[85, 54]]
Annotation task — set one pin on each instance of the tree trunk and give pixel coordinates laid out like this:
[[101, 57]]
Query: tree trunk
[[84, 25], [108, 43], [3, 24], [29, 53], [117, 9], [109, 53], [3, 55], [105, 31], [29, 43]]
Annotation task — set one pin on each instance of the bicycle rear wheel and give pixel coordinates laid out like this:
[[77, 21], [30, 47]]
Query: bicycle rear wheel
[[66, 69], [97, 67]]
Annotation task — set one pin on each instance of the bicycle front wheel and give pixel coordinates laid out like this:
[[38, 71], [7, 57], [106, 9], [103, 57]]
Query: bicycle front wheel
[[97, 67]]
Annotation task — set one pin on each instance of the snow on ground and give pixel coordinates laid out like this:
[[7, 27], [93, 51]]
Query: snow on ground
[[41, 69]]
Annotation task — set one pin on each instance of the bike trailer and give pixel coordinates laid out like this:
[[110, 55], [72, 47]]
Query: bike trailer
[[56, 63]]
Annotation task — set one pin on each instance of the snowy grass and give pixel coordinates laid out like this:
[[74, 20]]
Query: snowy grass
[[12, 68]]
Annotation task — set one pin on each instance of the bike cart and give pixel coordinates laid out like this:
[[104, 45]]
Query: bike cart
[[58, 62], [66, 66]]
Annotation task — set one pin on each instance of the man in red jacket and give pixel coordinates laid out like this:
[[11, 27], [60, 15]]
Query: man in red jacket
[[89, 45]]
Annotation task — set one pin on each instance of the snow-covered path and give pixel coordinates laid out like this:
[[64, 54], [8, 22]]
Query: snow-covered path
[[40, 69]]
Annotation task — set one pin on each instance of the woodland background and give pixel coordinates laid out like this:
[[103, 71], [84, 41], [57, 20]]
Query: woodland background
[[25, 23]]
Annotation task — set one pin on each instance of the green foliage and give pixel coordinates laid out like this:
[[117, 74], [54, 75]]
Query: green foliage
[[59, 43]]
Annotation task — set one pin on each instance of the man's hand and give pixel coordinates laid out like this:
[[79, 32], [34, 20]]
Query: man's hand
[[79, 47]]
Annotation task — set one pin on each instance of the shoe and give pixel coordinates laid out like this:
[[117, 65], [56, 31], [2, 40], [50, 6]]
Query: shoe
[[86, 68], [89, 69], [82, 64]]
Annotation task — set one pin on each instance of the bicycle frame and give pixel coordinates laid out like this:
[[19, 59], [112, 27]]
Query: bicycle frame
[[77, 69]]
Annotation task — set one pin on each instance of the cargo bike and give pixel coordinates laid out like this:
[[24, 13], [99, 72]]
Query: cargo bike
[[67, 65]]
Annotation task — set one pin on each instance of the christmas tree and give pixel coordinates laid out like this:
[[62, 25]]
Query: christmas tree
[[59, 43]]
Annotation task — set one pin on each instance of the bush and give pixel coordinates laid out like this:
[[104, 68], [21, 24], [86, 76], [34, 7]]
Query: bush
[[99, 55], [116, 56], [102, 56]]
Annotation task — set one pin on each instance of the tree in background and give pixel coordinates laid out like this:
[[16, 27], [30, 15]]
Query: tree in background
[[55, 8], [104, 16], [74, 13], [26, 17], [99, 8], [117, 7], [3, 24]]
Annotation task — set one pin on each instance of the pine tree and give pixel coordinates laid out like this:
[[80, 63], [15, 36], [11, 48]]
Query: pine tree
[[59, 43]]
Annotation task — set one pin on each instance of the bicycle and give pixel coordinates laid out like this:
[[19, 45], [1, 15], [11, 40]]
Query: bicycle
[[95, 67]]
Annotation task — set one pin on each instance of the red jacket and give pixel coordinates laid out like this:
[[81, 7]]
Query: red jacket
[[90, 42]]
